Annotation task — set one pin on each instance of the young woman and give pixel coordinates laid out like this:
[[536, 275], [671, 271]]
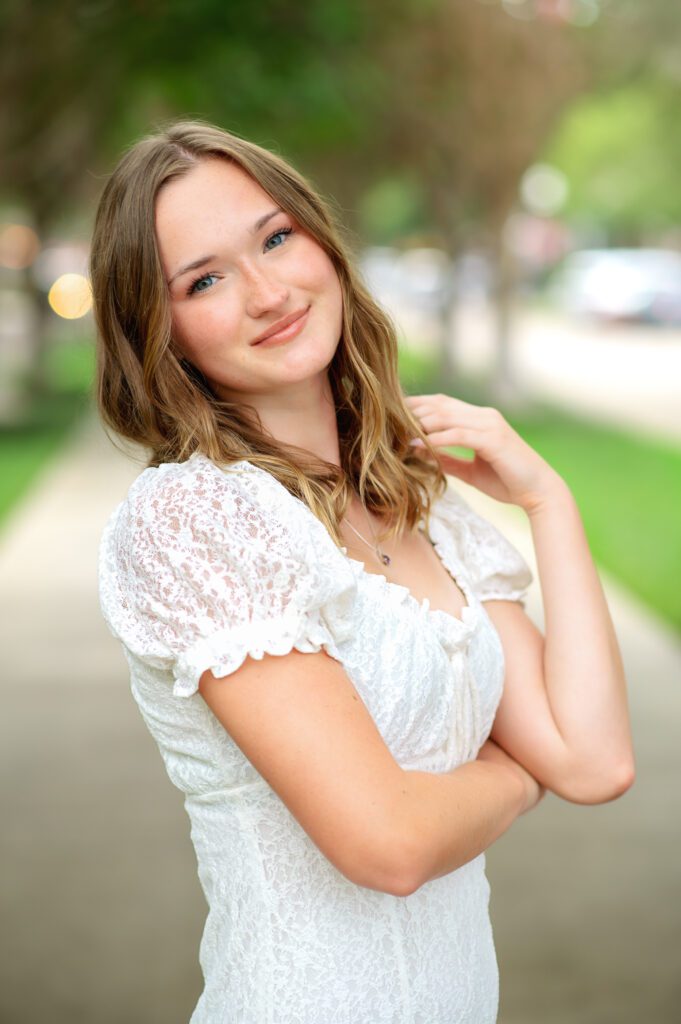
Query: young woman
[[327, 643]]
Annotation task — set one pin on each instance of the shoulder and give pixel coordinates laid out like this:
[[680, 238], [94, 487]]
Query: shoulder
[[497, 569], [193, 516], [179, 487], [199, 559], [185, 500]]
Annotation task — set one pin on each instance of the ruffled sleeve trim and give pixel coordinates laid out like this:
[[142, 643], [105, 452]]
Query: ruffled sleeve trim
[[305, 629], [200, 569], [226, 650]]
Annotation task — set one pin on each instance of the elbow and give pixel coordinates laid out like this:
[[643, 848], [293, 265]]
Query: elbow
[[392, 868], [624, 779], [406, 872], [600, 786]]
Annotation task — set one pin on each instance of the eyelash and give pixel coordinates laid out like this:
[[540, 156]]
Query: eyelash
[[192, 286]]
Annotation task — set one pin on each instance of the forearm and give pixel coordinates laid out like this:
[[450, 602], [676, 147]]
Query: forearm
[[454, 816], [583, 671]]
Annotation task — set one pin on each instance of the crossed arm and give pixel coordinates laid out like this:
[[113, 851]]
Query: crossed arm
[[563, 713]]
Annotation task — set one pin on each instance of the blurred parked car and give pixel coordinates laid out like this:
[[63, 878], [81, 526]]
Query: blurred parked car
[[640, 285]]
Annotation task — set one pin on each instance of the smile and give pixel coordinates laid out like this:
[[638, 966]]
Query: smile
[[286, 333]]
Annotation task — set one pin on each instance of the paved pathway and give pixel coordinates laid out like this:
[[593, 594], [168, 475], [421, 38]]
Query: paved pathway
[[101, 908], [628, 375]]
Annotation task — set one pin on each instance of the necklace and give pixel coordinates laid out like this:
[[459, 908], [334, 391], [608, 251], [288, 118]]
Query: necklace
[[386, 559]]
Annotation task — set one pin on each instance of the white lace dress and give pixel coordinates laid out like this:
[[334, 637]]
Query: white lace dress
[[201, 565]]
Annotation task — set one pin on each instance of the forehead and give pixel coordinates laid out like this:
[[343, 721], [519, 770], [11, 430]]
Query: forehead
[[213, 195]]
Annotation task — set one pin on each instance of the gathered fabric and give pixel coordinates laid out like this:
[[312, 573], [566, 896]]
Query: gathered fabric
[[204, 565]]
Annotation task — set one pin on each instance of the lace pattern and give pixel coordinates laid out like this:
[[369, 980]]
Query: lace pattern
[[201, 566]]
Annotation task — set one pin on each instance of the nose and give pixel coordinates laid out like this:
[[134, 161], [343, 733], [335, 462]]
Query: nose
[[263, 291]]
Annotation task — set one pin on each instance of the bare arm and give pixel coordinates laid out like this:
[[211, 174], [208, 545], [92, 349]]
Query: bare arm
[[459, 814], [564, 711], [306, 730]]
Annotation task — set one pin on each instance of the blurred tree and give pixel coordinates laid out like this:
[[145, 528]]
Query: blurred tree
[[478, 90], [620, 151], [446, 101], [49, 123], [474, 96], [83, 78]]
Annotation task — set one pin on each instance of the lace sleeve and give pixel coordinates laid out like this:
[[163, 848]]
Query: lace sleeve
[[496, 568], [195, 573]]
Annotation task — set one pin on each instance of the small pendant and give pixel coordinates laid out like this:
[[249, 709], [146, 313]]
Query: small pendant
[[385, 558]]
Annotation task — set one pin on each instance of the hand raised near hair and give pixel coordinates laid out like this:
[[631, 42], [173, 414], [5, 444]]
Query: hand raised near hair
[[504, 466]]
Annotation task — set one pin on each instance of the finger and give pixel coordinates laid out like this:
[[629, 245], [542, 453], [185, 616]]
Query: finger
[[442, 419], [437, 399], [439, 415], [434, 421], [463, 437]]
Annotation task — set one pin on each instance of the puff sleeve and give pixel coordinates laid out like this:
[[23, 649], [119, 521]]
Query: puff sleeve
[[497, 570], [196, 572]]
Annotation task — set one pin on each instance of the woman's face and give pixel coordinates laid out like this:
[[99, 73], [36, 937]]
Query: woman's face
[[252, 267]]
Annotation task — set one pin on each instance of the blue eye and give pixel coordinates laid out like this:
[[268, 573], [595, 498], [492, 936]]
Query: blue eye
[[283, 231], [194, 286]]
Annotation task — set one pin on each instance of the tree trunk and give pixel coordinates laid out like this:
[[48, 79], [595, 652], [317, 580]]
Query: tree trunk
[[505, 388], [448, 370]]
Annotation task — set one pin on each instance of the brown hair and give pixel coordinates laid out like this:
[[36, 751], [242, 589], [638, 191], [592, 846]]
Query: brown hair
[[147, 392]]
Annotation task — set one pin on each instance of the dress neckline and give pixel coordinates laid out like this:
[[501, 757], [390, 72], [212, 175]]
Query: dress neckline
[[454, 631], [424, 603]]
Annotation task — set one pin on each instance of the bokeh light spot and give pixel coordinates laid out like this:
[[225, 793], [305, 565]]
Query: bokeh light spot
[[543, 189], [19, 246], [70, 296]]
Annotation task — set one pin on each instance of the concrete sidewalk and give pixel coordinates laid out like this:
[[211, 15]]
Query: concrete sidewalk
[[101, 907]]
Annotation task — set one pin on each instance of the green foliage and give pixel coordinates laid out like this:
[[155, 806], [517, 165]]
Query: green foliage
[[418, 372], [620, 152], [285, 75], [26, 447], [392, 208], [629, 492], [71, 367]]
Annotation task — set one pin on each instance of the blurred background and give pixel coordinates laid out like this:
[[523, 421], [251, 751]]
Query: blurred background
[[508, 171]]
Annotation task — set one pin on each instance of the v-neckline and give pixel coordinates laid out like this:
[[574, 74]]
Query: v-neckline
[[468, 609], [462, 626]]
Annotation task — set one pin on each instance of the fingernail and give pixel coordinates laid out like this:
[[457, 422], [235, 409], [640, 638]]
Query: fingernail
[[417, 442]]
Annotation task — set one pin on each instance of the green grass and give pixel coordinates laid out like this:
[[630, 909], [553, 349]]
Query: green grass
[[26, 447], [628, 488]]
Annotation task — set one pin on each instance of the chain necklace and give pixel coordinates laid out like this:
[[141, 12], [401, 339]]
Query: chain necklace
[[386, 559]]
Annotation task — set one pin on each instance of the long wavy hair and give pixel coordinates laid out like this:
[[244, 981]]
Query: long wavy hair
[[149, 393]]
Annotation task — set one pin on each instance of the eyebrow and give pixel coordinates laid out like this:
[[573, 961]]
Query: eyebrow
[[202, 260]]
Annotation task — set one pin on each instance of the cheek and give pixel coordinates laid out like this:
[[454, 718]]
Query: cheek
[[331, 288], [319, 271], [199, 329]]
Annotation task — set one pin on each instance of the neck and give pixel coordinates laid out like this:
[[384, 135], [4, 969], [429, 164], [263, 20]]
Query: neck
[[303, 414]]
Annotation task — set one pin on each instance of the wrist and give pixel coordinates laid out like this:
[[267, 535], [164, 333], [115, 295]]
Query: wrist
[[517, 788], [554, 493]]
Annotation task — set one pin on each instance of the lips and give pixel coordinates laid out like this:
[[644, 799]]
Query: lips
[[281, 325]]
